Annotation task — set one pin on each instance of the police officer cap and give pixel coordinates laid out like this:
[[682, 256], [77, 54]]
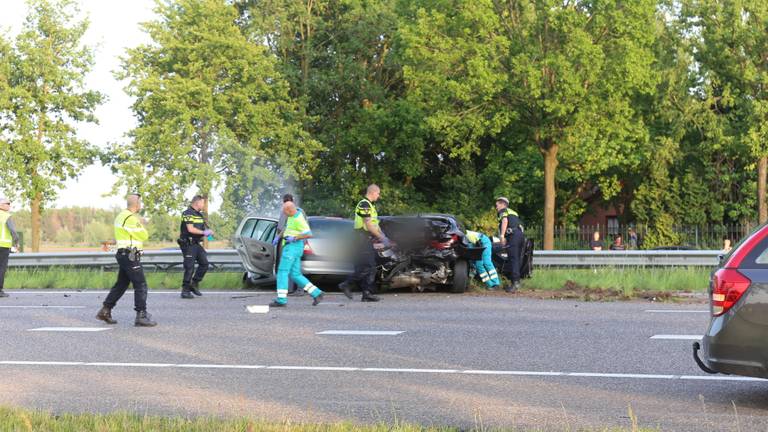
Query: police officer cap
[[503, 199]]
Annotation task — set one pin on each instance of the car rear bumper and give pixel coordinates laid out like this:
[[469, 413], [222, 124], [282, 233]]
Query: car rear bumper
[[732, 346]]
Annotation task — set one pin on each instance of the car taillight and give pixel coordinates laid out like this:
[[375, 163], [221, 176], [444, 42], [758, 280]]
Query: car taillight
[[444, 244], [728, 285], [308, 249]]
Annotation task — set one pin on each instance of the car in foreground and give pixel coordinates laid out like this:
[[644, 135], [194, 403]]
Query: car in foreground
[[736, 341], [430, 251]]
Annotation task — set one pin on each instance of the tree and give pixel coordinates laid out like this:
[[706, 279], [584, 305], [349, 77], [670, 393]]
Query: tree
[[212, 110], [732, 51], [46, 97], [559, 76]]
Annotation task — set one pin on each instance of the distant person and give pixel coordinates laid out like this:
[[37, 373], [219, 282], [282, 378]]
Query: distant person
[[130, 235], [596, 244], [727, 245], [9, 238], [193, 229], [633, 243], [618, 243], [296, 230]]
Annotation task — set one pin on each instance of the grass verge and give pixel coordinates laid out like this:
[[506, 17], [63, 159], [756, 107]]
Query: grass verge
[[12, 419], [613, 283], [97, 279]]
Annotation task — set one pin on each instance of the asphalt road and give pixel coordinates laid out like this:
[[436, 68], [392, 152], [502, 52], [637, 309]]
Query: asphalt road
[[463, 361]]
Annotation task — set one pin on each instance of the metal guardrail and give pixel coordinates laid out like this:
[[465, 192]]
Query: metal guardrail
[[219, 259], [633, 258], [228, 259]]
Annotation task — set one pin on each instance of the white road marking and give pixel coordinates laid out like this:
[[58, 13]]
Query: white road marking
[[677, 337], [69, 329], [676, 311], [257, 309], [42, 307], [243, 293], [390, 370], [360, 333]]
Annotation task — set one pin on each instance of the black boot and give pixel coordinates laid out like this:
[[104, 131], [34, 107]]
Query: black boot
[[194, 288], [346, 289], [3, 293], [105, 314], [296, 293], [186, 293], [275, 303], [143, 319], [369, 297], [316, 301]]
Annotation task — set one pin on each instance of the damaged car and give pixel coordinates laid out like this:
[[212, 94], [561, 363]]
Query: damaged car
[[430, 252]]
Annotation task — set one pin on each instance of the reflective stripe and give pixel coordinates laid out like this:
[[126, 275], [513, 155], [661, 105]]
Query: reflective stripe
[[309, 288]]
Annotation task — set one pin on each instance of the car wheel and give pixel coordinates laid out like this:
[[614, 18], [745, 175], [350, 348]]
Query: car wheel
[[247, 284], [460, 276]]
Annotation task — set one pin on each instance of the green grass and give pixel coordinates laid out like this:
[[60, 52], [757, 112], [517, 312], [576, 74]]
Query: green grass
[[626, 279], [13, 420], [97, 279]]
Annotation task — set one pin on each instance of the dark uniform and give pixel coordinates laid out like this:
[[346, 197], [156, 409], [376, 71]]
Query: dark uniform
[[193, 250], [514, 238], [365, 262]]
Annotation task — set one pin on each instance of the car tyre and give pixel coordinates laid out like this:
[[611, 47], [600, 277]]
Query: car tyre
[[460, 276], [247, 284]]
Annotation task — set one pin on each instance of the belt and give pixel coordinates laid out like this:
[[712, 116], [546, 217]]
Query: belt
[[126, 251]]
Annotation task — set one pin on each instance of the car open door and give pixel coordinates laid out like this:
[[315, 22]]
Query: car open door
[[253, 243]]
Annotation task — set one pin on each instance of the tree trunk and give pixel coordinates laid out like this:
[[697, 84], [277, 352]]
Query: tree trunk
[[550, 167], [35, 209], [762, 173]]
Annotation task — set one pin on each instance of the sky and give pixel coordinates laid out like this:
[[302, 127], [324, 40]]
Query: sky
[[114, 26]]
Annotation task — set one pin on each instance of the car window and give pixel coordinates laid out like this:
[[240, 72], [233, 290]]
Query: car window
[[247, 230], [264, 230], [329, 228]]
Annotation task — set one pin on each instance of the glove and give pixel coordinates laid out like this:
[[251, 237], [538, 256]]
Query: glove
[[207, 232], [290, 239], [276, 241], [386, 242]]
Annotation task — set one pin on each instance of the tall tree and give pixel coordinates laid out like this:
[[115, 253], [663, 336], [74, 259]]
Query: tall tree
[[733, 55], [212, 110], [561, 74], [48, 97]]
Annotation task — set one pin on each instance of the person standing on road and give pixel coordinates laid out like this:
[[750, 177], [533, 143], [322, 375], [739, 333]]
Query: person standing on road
[[296, 230], [484, 266], [9, 238], [130, 236], [292, 288], [511, 235], [193, 228], [367, 232]]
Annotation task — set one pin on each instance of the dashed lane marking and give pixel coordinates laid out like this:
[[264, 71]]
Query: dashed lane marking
[[676, 337], [70, 329]]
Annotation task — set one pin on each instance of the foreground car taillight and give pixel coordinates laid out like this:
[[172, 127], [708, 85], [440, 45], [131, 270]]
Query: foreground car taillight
[[728, 285]]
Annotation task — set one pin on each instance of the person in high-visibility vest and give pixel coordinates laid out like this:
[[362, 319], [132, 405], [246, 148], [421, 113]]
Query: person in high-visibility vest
[[130, 235], [367, 231], [511, 235], [8, 239], [296, 231], [484, 266], [193, 229]]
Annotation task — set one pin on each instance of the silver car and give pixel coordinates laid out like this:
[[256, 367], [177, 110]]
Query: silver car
[[325, 254]]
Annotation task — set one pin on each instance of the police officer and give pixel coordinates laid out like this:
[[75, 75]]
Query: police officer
[[193, 229], [511, 235], [130, 235], [367, 232], [296, 230], [8, 238], [484, 266]]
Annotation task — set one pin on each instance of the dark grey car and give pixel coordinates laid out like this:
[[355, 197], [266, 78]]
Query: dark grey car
[[736, 341]]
